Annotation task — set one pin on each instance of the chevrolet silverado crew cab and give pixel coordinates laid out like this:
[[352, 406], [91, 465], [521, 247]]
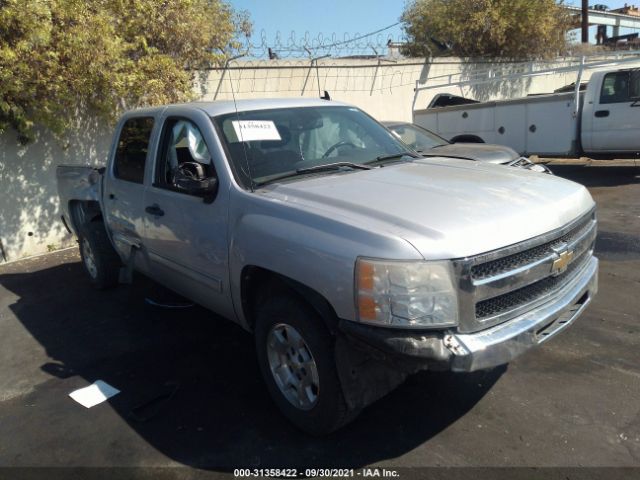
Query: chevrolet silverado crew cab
[[353, 261]]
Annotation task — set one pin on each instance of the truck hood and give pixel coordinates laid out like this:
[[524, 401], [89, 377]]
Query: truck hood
[[481, 152], [446, 208]]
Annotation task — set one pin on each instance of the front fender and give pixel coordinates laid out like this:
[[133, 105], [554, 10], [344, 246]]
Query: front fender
[[305, 246]]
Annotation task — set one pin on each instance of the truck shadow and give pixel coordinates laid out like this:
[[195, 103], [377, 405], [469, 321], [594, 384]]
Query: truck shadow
[[190, 384], [598, 176]]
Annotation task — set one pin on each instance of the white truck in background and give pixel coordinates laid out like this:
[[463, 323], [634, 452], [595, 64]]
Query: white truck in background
[[603, 121]]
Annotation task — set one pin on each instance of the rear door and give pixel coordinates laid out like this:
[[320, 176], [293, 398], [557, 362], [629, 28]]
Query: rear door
[[124, 182], [186, 234], [616, 118]]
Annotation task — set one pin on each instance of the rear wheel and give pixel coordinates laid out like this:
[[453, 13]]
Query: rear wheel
[[467, 139], [296, 357], [100, 260]]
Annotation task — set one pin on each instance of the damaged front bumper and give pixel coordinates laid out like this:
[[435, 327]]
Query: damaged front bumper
[[485, 349]]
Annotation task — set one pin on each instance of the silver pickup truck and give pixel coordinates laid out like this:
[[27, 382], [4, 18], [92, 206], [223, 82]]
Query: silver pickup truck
[[352, 260]]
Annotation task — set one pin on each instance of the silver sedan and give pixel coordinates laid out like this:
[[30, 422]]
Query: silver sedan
[[428, 143]]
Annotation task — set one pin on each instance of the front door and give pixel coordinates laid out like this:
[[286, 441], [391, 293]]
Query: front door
[[186, 234], [616, 118]]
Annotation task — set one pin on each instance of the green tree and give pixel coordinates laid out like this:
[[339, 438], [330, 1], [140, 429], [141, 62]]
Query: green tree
[[514, 29], [59, 58]]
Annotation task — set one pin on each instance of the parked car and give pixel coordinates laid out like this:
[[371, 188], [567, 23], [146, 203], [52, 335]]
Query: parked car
[[598, 121], [429, 144], [353, 261]]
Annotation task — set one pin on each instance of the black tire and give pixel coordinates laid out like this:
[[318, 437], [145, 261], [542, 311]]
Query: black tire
[[330, 411], [100, 260]]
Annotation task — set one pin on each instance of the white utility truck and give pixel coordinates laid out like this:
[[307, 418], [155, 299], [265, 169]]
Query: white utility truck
[[603, 121]]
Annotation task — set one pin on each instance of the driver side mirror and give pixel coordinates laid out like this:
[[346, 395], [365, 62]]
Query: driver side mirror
[[190, 178]]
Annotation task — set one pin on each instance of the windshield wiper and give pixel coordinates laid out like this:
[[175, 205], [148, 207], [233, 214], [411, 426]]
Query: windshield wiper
[[392, 156], [446, 155], [316, 168], [333, 166]]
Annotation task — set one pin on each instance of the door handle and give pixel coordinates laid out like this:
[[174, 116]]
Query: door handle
[[602, 113], [154, 210]]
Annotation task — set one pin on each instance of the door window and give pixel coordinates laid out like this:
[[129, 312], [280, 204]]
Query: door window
[[131, 151], [615, 88], [183, 153]]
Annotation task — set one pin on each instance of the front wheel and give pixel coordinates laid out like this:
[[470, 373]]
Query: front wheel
[[296, 357]]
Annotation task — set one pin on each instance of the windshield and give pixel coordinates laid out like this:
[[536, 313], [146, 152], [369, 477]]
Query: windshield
[[416, 137], [265, 145]]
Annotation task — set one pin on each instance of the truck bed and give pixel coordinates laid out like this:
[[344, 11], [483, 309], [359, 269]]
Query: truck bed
[[77, 182]]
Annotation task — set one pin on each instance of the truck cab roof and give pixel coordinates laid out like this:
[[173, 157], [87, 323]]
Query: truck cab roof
[[222, 107]]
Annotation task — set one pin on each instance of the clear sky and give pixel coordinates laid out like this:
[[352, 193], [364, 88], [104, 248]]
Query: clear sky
[[321, 16], [336, 17]]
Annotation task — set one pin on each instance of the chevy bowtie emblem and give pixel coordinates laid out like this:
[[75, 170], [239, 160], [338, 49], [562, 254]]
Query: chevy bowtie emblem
[[560, 264]]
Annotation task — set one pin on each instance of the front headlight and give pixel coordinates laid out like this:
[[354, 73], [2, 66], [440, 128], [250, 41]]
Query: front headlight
[[407, 294], [527, 164]]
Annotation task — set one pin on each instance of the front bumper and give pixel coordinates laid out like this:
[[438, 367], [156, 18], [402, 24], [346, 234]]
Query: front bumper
[[487, 348]]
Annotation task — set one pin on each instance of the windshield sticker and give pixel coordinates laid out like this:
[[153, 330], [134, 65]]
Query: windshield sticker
[[251, 130]]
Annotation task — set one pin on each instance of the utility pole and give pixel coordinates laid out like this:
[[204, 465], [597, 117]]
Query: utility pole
[[585, 21]]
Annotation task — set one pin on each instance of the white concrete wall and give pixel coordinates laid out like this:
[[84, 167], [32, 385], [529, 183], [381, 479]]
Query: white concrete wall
[[445, 72], [29, 210], [383, 89]]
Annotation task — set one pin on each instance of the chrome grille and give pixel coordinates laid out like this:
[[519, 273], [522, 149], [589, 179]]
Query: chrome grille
[[530, 293], [511, 262], [499, 285]]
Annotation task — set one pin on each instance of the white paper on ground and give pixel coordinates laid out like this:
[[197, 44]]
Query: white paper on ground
[[94, 394], [252, 130]]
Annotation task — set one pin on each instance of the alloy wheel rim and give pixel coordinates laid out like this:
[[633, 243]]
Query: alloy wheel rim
[[293, 367], [89, 259]]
